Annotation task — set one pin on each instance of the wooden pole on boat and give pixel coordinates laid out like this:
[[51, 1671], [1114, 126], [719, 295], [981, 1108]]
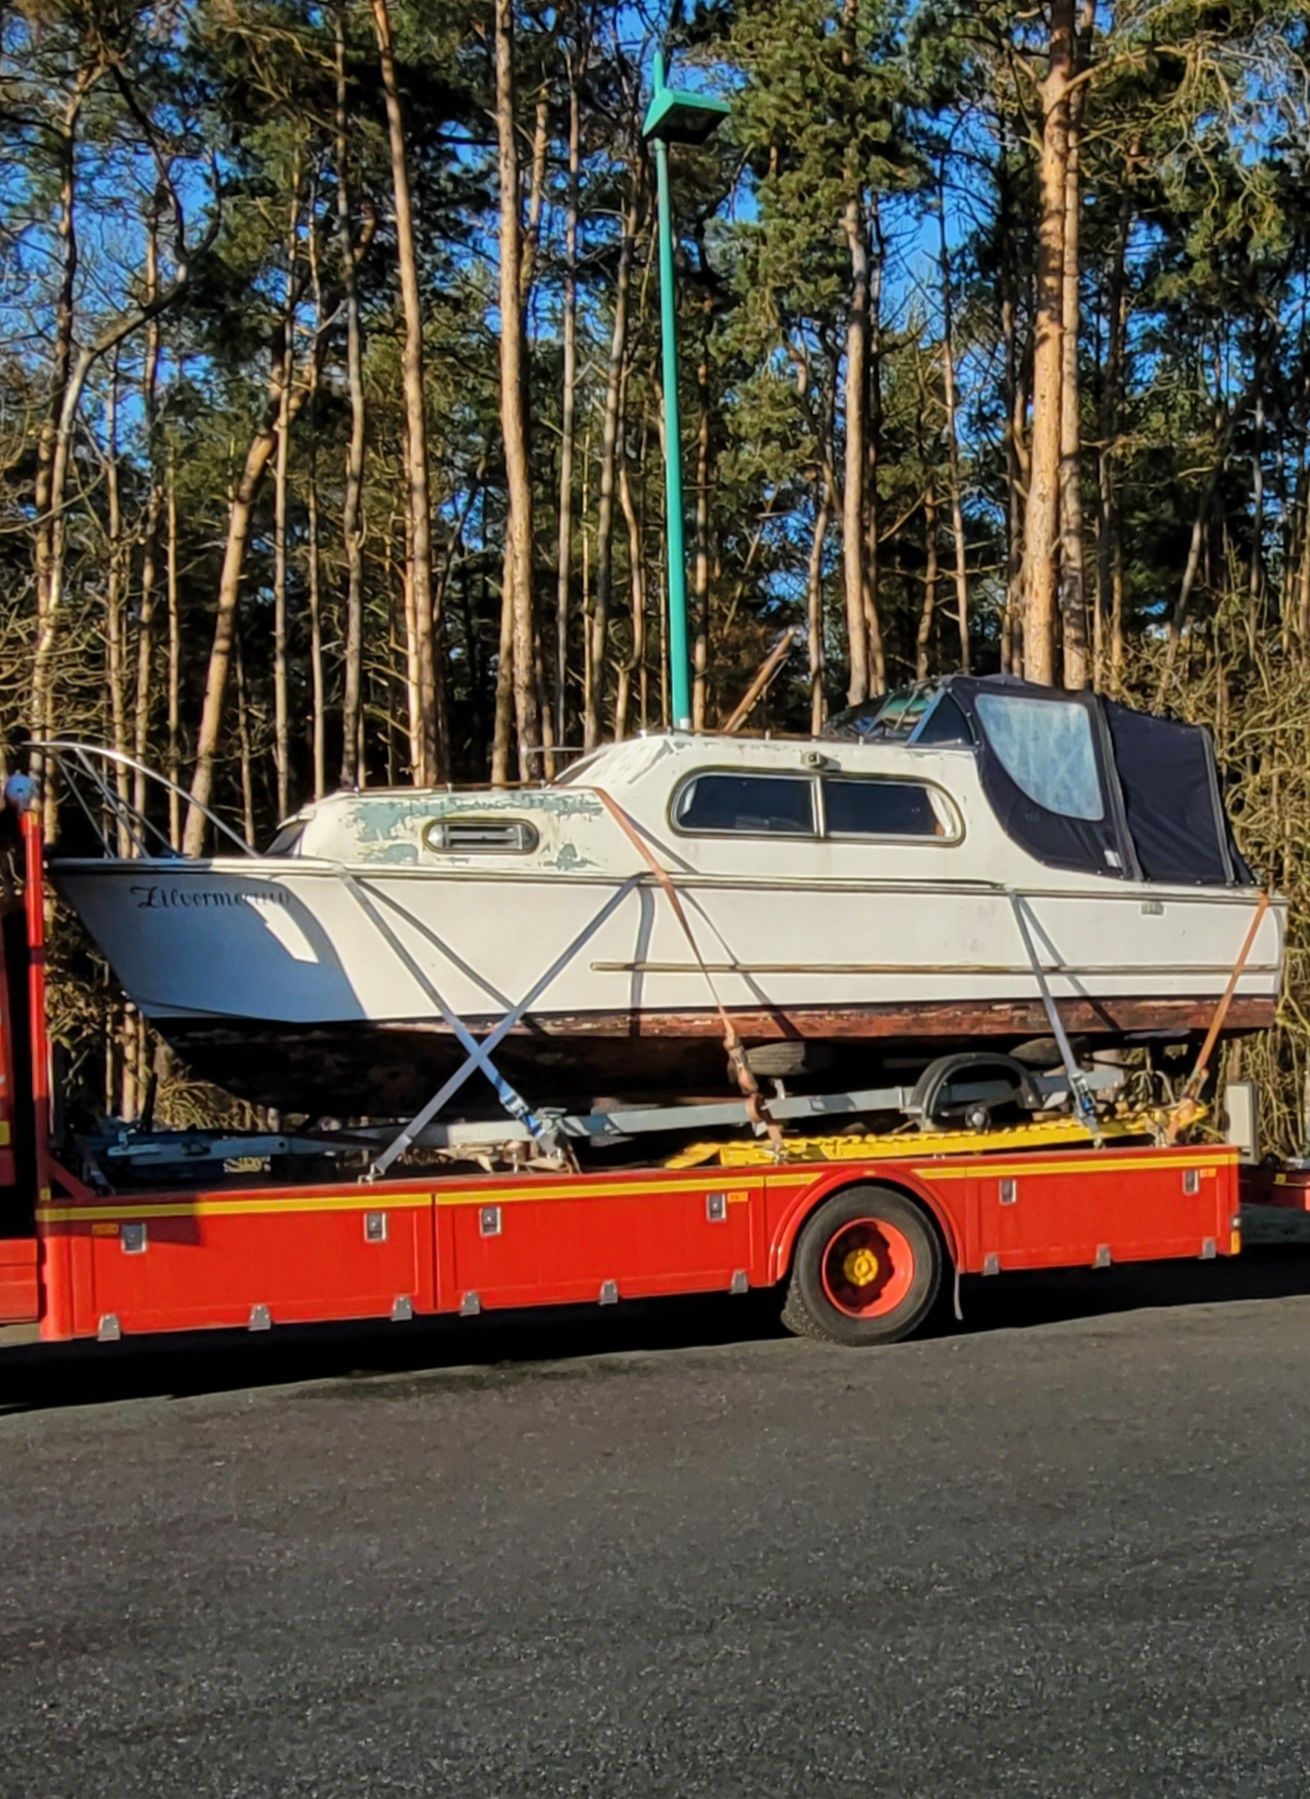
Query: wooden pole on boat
[[764, 677], [1188, 1103]]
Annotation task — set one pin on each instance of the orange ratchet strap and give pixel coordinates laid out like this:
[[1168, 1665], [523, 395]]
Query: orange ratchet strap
[[756, 1110]]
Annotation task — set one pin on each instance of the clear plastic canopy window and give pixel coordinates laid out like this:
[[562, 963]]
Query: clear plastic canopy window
[[1046, 748]]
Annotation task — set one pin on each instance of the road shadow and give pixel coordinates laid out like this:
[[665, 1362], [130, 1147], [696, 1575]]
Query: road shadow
[[1058, 1296], [36, 1377]]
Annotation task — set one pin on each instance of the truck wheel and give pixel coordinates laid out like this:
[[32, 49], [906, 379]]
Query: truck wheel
[[867, 1269]]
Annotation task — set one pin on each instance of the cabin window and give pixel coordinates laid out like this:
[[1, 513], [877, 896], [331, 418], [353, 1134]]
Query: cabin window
[[756, 805], [481, 836], [878, 809], [1046, 748]]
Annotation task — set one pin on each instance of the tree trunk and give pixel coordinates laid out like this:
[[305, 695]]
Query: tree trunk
[[352, 536], [46, 504], [1109, 547], [536, 193], [1255, 578], [872, 571], [814, 597], [115, 657], [952, 446], [259, 453], [1042, 520], [416, 435], [700, 567], [857, 328], [413, 703], [242, 505], [1073, 584], [516, 600], [1015, 397], [636, 661], [568, 399], [923, 637], [150, 529], [599, 618], [245, 756], [313, 591], [173, 602], [856, 400], [317, 684], [504, 715], [281, 719]]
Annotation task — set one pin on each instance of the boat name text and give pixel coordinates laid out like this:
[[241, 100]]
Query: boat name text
[[154, 899]]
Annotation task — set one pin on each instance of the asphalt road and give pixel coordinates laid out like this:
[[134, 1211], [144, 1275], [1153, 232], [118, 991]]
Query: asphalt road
[[1062, 1553]]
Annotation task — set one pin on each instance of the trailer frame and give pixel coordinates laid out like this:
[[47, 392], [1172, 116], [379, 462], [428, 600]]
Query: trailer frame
[[82, 1263]]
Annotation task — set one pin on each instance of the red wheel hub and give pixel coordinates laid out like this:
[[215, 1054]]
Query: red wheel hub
[[867, 1268]]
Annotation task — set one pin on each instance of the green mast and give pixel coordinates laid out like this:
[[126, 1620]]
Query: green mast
[[674, 117]]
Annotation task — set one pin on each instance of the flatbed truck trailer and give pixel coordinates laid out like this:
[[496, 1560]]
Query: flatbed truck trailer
[[861, 1238]]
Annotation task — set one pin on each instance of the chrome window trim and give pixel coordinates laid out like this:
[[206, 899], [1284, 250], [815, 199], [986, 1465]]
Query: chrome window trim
[[950, 814]]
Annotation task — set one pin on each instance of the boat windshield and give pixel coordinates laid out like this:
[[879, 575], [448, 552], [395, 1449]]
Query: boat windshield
[[924, 714]]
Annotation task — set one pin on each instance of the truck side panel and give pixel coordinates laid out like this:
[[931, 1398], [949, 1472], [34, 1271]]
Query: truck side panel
[[187, 1261]]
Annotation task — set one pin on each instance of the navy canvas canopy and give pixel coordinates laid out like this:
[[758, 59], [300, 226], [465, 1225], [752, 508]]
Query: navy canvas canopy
[[1077, 780]]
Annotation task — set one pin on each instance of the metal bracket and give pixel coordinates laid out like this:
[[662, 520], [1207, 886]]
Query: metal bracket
[[260, 1319], [1102, 1257], [991, 1264], [470, 1305], [740, 1282], [109, 1329], [402, 1309], [132, 1238], [375, 1227], [1208, 1250], [1084, 1104], [489, 1221], [477, 1051], [609, 1293]]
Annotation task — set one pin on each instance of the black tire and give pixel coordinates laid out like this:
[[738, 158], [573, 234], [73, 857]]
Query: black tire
[[900, 1250]]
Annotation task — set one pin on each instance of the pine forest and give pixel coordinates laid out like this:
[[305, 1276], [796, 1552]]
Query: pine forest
[[330, 391]]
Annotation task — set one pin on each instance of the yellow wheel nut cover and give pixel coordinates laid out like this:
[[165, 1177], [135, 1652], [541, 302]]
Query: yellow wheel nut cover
[[860, 1267]]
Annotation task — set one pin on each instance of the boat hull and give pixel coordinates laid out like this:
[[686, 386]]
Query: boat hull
[[315, 987], [392, 1069]]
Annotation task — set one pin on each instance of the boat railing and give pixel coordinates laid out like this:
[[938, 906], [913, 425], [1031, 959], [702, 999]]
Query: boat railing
[[94, 777]]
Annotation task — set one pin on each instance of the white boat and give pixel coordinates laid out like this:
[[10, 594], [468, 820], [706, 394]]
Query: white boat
[[904, 886]]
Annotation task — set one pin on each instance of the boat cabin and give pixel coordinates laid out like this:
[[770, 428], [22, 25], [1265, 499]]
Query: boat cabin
[[1072, 781]]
